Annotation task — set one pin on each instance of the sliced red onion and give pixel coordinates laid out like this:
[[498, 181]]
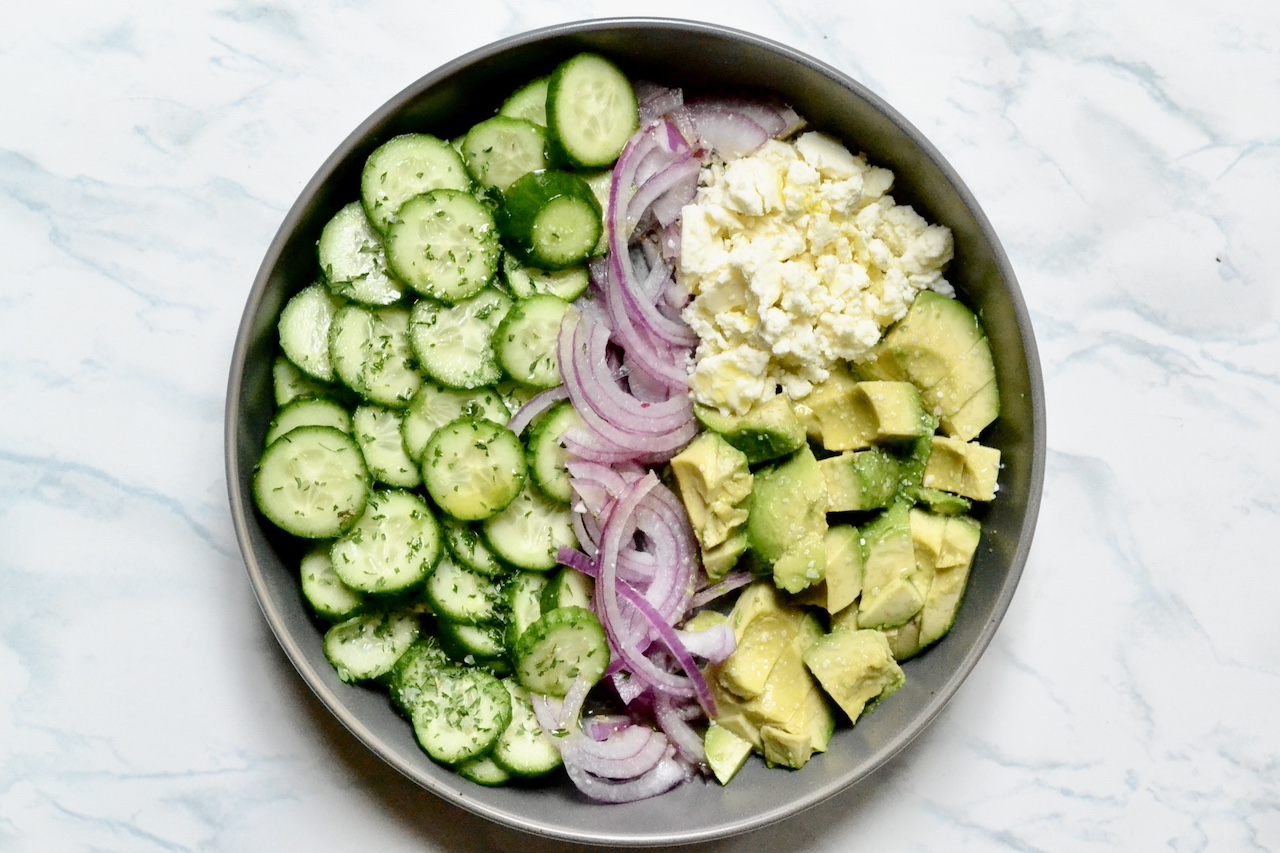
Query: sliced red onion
[[664, 776], [728, 132], [706, 595], [536, 405], [673, 722], [712, 644]]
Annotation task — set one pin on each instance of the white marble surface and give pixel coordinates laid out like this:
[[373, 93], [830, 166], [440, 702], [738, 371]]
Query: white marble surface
[[1128, 152]]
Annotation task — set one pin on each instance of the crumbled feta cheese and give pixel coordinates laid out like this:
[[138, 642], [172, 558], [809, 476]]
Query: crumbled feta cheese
[[796, 259]]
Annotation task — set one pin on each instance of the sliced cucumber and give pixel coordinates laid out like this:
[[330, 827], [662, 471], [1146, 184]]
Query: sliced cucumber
[[483, 770], [524, 749], [525, 341], [368, 646], [568, 588], [328, 597], [353, 261], [444, 244], [565, 644], [531, 531], [551, 219], [392, 548], [523, 597], [500, 149], [461, 595], [473, 468], [304, 330], [312, 482], [547, 453], [308, 411], [478, 645], [404, 167], [454, 343], [524, 281], [529, 102], [289, 383], [467, 547], [415, 668], [434, 406], [378, 431], [460, 713], [591, 111], [371, 353]]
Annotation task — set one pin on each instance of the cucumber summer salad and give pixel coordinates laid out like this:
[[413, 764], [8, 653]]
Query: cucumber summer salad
[[628, 436]]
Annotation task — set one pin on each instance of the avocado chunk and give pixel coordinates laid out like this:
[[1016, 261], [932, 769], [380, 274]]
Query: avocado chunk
[[843, 582], [726, 752], [894, 584], [757, 599], [746, 671], [940, 347], [860, 479], [829, 397], [788, 520], [904, 640], [855, 668], [715, 486], [964, 468], [768, 431], [869, 413], [951, 576]]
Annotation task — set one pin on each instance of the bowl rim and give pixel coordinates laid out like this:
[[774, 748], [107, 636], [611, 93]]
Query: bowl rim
[[242, 505]]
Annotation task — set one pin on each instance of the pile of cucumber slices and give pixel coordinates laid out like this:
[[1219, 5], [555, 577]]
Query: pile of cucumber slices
[[433, 527]]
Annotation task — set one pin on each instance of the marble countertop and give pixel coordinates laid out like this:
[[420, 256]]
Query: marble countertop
[[1127, 152]]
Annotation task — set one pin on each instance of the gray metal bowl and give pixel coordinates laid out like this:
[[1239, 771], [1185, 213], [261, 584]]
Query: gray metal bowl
[[698, 57]]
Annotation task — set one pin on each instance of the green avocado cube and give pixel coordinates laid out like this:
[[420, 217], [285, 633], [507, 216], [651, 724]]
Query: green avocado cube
[[788, 520], [855, 668]]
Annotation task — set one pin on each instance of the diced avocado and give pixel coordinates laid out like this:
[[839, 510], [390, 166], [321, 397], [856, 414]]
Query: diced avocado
[[828, 397], [758, 598], [843, 582], [704, 620], [911, 466], [715, 486], [928, 532], [783, 748], [788, 520], [904, 640], [951, 576], [766, 432], [763, 641], [860, 479], [966, 376], [854, 668], [893, 604], [719, 560], [869, 413], [941, 348], [973, 417], [934, 335], [943, 503], [894, 583], [726, 752], [964, 468], [788, 685]]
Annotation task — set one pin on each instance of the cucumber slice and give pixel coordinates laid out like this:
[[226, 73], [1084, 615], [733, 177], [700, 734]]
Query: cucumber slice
[[377, 430], [467, 547], [551, 219], [308, 411], [460, 713], [548, 456], [288, 383], [524, 749], [415, 668], [392, 548], [371, 354], [483, 770], [444, 244], [529, 102], [454, 343], [369, 645], [531, 531], [565, 644], [434, 406], [524, 281], [304, 330], [353, 261], [328, 597], [312, 482], [473, 468], [461, 595], [568, 588], [526, 341], [591, 111], [500, 149], [475, 645], [523, 597], [406, 166]]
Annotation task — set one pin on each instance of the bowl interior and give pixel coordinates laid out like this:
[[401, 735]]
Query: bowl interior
[[700, 58]]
